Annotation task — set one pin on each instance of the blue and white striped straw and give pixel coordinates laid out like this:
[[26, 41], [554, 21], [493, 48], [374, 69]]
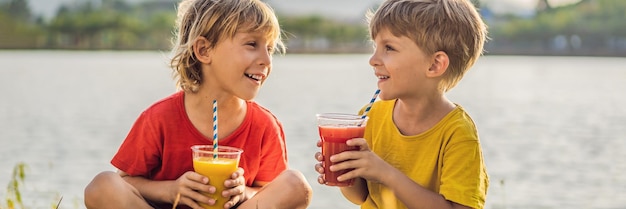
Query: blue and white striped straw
[[369, 106], [214, 129]]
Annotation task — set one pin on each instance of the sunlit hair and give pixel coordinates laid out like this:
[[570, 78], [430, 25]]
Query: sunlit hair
[[216, 20], [451, 26]]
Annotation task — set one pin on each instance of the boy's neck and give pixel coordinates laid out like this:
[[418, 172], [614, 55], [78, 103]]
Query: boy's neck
[[415, 116], [204, 102], [199, 108]]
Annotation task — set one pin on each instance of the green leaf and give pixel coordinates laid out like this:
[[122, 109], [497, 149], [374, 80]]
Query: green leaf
[[10, 204], [18, 197]]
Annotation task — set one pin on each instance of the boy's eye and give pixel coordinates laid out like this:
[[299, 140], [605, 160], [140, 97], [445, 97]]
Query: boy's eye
[[251, 44], [389, 48]]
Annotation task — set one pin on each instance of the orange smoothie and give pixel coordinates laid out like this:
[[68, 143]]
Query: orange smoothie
[[218, 170], [334, 142]]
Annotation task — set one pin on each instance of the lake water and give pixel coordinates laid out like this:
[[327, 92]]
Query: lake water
[[553, 129]]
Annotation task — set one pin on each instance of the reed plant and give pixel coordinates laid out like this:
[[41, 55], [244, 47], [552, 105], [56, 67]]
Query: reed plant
[[13, 198]]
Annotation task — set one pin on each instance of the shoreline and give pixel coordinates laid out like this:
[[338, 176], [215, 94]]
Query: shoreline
[[525, 53]]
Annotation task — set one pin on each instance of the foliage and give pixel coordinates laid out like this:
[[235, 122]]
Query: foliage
[[113, 24], [590, 26], [593, 22], [17, 9], [306, 31], [595, 17], [14, 195]]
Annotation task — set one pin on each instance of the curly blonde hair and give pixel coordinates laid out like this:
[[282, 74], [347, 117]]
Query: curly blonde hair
[[216, 20]]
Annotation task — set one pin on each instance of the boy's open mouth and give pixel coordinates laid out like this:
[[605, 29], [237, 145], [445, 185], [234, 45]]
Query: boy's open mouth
[[254, 77]]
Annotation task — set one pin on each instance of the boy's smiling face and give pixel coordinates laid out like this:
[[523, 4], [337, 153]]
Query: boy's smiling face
[[240, 65], [400, 66]]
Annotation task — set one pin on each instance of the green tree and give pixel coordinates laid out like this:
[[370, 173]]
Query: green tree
[[17, 9], [306, 31], [18, 28]]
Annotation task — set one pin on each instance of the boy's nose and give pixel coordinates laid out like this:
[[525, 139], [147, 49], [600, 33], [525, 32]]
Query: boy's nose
[[374, 61], [265, 58]]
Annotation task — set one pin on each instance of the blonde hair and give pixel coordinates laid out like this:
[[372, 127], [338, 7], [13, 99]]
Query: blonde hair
[[216, 20], [451, 26]]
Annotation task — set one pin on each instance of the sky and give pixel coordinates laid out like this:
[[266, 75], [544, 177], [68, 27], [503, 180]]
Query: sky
[[351, 9]]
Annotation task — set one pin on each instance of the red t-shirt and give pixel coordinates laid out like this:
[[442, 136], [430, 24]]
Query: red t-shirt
[[158, 146]]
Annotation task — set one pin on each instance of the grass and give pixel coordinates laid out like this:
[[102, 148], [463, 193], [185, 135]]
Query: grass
[[13, 199]]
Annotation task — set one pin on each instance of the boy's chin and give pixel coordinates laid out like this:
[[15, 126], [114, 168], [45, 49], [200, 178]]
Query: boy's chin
[[249, 97], [383, 96]]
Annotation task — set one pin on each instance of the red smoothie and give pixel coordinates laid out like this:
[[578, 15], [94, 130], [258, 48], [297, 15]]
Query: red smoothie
[[333, 142]]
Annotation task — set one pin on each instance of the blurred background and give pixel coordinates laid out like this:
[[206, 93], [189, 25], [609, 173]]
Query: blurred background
[[537, 27], [548, 97]]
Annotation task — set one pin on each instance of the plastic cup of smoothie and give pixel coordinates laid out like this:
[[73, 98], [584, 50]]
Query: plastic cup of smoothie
[[218, 166], [335, 129]]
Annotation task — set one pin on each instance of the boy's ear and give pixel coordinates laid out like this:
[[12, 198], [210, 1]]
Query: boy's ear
[[440, 62], [202, 50]]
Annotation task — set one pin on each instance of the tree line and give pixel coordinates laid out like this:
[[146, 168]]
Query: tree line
[[113, 24], [118, 25], [589, 27]]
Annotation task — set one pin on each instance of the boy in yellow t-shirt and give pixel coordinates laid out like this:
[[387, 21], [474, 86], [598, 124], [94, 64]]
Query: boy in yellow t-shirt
[[420, 150]]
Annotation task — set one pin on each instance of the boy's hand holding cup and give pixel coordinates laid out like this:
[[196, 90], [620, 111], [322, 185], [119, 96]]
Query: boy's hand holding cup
[[335, 129]]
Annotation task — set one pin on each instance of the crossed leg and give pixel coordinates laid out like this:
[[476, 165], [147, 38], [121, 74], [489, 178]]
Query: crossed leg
[[289, 190], [109, 190]]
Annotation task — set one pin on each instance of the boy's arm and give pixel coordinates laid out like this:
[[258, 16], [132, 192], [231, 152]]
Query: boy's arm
[[149, 189], [356, 193], [168, 191], [413, 195], [367, 165], [256, 187]]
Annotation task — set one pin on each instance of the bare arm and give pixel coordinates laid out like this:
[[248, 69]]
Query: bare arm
[[413, 195], [147, 188], [167, 191], [357, 193], [188, 187], [255, 188]]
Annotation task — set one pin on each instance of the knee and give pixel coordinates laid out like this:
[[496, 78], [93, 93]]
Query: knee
[[100, 182], [99, 187], [299, 183]]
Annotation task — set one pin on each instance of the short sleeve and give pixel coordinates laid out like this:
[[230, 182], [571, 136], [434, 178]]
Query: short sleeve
[[464, 178], [139, 153]]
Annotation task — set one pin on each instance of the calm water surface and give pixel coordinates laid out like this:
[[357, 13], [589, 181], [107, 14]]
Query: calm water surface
[[553, 129]]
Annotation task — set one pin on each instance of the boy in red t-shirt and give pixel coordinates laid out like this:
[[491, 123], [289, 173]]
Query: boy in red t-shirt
[[224, 53]]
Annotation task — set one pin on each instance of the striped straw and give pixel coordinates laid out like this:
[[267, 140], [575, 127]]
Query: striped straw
[[369, 106], [214, 129]]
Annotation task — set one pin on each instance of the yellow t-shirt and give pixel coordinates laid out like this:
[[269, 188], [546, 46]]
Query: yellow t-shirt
[[447, 159]]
